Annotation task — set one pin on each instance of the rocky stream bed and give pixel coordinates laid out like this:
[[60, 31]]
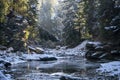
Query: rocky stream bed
[[56, 64]]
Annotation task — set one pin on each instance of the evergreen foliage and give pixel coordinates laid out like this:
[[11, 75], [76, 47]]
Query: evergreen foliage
[[17, 20]]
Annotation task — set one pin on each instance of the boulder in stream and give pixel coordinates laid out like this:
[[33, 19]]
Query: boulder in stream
[[7, 64], [10, 49], [98, 51], [69, 78], [36, 49], [48, 59], [92, 45], [38, 57]]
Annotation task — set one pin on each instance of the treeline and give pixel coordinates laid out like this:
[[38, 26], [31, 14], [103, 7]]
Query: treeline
[[92, 19], [103, 19]]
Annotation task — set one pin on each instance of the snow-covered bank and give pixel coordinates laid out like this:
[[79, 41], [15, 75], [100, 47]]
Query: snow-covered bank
[[110, 68], [11, 58]]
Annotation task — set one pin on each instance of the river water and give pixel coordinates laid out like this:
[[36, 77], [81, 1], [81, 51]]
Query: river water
[[73, 66]]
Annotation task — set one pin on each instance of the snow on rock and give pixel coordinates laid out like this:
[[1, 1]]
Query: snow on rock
[[17, 61], [110, 27], [11, 58], [112, 68], [3, 77], [36, 49], [10, 49], [94, 43], [38, 57], [78, 0], [64, 76], [78, 50], [59, 74], [31, 56], [14, 60]]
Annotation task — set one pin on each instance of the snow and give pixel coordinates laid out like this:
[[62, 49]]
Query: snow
[[40, 76], [10, 57], [59, 74], [78, 50], [17, 61], [10, 49], [38, 48], [13, 60], [30, 56], [110, 27], [35, 56], [95, 43], [112, 68], [68, 76], [78, 0], [3, 77]]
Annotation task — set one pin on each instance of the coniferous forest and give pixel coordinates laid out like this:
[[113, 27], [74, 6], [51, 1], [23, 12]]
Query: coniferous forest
[[59, 39]]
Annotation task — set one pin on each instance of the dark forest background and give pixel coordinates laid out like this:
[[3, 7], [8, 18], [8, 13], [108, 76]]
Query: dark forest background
[[96, 20]]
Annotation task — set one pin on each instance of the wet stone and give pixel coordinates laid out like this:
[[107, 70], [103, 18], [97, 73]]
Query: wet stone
[[99, 48], [7, 64], [69, 78], [92, 45], [37, 50], [48, 59]]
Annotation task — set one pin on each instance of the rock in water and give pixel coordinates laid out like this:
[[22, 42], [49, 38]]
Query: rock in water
[[48, 59], [39, 50], [63, 78], [7, 64], [57, 47], [36, 49], [69, 78], [10, 50], [92, 45], [91, 56]]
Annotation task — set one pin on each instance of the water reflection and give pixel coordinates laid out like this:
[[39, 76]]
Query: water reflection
[[42, 69]]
